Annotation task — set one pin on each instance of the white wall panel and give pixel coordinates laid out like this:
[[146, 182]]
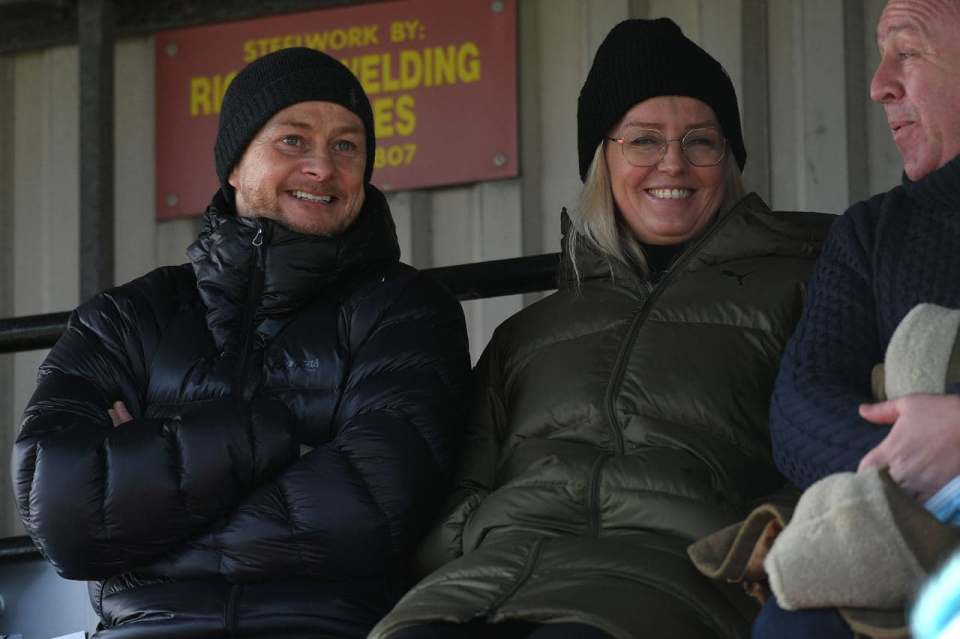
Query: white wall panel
[[45, 198], [808, 107], [46, 195], [686, 13], [824, 107], [7, 309], [135, 229], [597, 19], [720, 36], [172, 239], [564, 64], [785, 91]]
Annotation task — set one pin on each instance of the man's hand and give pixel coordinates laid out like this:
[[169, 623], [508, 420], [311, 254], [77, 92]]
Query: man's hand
[[119, 414], [922, 449]]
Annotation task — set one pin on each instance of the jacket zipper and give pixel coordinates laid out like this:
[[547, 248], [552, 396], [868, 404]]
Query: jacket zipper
[[620, 365], [259, 243], [593, 496], [532, 559], [231, 620]]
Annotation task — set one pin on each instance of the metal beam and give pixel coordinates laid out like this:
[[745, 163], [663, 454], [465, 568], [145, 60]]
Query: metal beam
[[38, 25], [96, 26]]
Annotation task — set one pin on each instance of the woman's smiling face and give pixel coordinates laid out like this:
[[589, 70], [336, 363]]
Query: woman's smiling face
[[671, 201]]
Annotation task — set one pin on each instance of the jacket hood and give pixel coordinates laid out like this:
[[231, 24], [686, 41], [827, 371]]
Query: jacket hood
[[294, 267]]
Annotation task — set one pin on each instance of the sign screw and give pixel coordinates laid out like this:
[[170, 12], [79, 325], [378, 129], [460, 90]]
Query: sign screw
[[171, 49], [172, 200], [496, 7], [499, 159]]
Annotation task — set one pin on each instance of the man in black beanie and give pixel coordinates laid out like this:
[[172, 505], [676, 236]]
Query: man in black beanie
[[252, 443]]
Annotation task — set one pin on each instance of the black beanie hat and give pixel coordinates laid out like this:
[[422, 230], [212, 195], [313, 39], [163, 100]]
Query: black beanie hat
[[642, 59], [274, 82]]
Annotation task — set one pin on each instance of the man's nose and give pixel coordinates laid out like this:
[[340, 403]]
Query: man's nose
[[885, 85], [318, 165]]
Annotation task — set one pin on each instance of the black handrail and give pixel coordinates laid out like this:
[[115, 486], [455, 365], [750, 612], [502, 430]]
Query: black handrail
[[17, 549], [31, 332], [465, 281]]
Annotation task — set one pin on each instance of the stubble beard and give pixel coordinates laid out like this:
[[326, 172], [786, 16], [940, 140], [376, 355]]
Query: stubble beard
[[260, 205]]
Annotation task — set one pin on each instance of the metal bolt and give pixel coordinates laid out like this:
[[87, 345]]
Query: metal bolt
[[499, 159], [496, 7], [172, 199], [171, 49]]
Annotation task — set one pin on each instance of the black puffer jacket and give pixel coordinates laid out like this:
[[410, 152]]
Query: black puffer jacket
[[295, 400]]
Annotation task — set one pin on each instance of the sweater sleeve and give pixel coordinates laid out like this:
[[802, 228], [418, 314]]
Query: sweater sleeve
[[99, 500], [357, 505], [824, 376]]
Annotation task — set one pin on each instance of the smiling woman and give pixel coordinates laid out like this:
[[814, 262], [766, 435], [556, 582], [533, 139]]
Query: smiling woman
[[668, 199], [625, 416]]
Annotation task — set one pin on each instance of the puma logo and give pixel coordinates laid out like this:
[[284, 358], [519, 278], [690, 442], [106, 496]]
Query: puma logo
[[740, 276]]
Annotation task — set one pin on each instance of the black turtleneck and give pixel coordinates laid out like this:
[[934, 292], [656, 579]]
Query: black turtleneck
[[661, 256], [940, 189]]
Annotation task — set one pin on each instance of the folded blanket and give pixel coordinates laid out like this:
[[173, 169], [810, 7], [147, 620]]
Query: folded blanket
[[856, 542]]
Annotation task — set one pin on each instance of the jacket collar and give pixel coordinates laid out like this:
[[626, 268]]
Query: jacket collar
[[748, 229], [245, 264], [940, 189], [751, 229]]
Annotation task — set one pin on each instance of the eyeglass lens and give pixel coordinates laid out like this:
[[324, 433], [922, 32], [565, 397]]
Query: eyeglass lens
[[645, 147]]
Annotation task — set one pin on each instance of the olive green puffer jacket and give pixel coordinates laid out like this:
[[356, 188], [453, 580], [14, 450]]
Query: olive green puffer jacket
[[615, 425]]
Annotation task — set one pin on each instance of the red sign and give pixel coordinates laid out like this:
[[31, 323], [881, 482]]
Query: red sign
[[441, 77]]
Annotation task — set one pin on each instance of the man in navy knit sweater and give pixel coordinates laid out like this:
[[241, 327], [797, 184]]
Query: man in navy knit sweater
[[884, 256]]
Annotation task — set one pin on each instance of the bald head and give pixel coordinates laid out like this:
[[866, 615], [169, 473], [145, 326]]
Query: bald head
[[918, 81]]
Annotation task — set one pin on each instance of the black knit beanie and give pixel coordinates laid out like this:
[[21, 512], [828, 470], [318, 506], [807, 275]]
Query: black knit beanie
[[642, 59], [274, 82]]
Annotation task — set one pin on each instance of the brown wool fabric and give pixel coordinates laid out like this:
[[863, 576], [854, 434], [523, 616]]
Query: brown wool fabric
[[271, 84], [642, 59]]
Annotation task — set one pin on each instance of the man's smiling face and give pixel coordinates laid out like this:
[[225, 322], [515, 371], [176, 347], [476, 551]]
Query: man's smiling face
[[304, 169]]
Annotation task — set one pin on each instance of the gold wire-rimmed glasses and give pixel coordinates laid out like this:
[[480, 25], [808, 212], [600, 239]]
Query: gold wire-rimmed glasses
[[646, 147]]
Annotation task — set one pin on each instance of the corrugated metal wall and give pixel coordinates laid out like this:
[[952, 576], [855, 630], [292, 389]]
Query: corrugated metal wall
[[801, 68]]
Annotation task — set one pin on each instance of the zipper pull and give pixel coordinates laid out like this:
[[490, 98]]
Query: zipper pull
[[258, 238]]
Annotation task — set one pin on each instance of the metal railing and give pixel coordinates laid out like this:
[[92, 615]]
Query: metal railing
[[479, 280]]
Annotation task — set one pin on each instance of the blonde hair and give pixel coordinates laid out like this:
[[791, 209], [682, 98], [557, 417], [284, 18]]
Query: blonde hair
[[594, 220]]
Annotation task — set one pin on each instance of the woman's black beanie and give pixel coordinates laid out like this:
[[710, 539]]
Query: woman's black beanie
[[271, 84], [642, 59]]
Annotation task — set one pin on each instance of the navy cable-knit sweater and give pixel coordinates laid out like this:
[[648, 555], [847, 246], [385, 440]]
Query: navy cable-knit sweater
[[883, 257]]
